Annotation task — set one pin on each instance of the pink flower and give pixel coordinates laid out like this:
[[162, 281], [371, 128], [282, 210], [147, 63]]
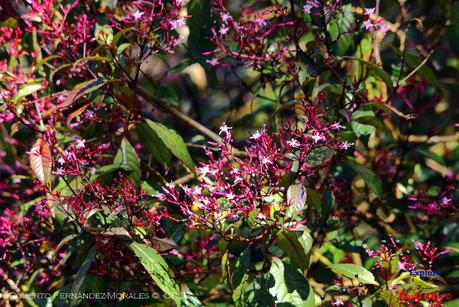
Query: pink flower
[[260, 21], [345, 145], [307, 8], [428, 252], [337, 126], [224, 31], [293, 143], [369, 11], [213, 62], [368, 24], [226, 17], [137, 15], [402, 266], [225, 129], [337, 303], [256, 135], [310, 4], [318, 137], [177, 23]]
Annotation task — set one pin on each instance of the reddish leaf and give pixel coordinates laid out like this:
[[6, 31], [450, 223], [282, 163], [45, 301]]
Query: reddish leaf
[[40, 161]]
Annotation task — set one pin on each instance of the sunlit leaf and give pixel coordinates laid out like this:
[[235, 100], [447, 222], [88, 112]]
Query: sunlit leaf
[[158, 269], [296, 245], [358, 272], [41, 161], [173, 141], [290, 286]]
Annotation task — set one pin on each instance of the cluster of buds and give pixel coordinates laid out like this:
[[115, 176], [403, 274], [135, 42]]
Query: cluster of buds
[[442, 206], [388, 252], [429, 253]]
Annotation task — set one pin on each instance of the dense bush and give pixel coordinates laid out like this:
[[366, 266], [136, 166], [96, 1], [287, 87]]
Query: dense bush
[[247, 153]]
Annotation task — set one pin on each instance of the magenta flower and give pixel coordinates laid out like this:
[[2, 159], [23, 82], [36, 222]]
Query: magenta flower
[[428, 252]]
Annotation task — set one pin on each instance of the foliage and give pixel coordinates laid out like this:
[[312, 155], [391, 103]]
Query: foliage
[[240, 153]]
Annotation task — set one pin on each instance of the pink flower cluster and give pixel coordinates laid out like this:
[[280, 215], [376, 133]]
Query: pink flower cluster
[[443, 205], [374, 23], [24, 238], [246, 42], [152, 17], [254, 187], [428, 253], [388, 251]]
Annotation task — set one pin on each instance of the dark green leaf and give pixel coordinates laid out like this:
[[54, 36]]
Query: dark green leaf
[[296, 245], [254, 293], [376, 70], [81, 89], [172, 140], [126, 158], [240, 268], [453, 33], [425, 71], [200, 25], [328, 204], [119, 35], [370, 178], [362, 129], [431, 155], [80, 275], [153, 143]]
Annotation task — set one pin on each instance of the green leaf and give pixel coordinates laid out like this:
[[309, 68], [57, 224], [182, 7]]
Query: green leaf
[[253, 293], [354, 271], [158, 269], [240, 268], [424, 287], [26, 91], [389, 297], [431, 155], [119, 35], [153, 143], [290, 286], [370, 178], [328, 204], [296, 245], [362, 129], [376, 70], [95, 58], [189, 298], [80, 275], [453, 33], [173, 141], [126, 158]]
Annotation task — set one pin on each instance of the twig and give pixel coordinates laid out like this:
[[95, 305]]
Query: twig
[[184, 179], [418, 67]]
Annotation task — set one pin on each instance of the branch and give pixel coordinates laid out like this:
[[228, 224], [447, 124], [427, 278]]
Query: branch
[[163, 105]]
